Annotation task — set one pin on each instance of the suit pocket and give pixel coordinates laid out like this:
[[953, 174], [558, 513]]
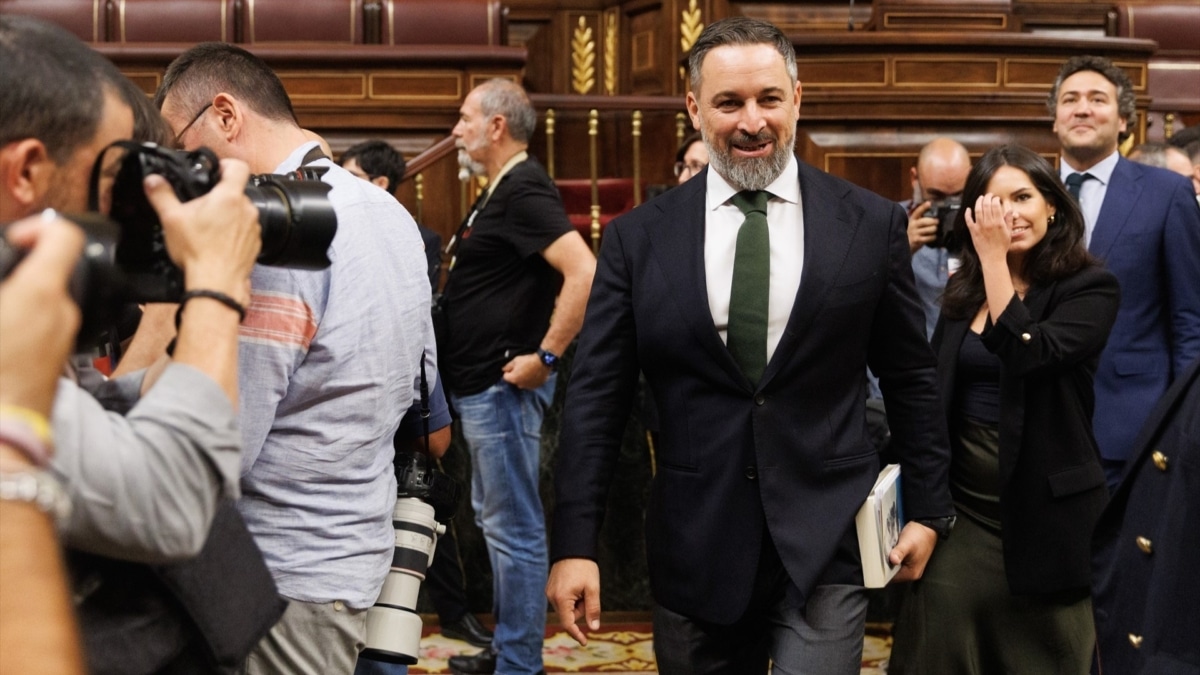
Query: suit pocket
[[1136, 363], [1075, 480], [853, 292]]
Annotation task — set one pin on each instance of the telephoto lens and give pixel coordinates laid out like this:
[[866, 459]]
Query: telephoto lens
[[393, 625]]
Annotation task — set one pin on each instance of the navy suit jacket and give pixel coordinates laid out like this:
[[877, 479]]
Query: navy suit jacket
[[789, 455], [1148, 235]]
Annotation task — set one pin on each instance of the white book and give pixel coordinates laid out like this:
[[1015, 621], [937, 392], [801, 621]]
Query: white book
[[879, 521]]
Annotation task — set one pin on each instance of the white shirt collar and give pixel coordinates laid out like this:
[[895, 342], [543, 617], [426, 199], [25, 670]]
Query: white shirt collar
[[1101, 171], [786, 186]]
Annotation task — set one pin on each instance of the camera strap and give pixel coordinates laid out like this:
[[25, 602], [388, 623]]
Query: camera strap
[[316, 154], [425, 414]]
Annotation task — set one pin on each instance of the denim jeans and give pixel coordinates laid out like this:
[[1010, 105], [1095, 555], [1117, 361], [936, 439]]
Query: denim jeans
[[502, 427]]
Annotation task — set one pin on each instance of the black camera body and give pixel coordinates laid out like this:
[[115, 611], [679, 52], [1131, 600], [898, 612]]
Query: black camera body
[[419, 478], [945, 211], [297, 220]]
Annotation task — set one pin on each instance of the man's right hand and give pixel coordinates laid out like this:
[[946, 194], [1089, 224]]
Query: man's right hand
[[921, 230], [574, 590], [215, 239], [38, 318]]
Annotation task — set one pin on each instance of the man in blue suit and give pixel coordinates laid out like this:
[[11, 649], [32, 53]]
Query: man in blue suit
[[753, 297], [1144, 223]]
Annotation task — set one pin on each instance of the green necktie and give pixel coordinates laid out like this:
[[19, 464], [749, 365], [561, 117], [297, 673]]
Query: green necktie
[[747, 332]]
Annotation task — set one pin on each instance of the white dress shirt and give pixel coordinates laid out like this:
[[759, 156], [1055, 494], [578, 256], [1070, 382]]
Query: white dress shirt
[[1091, 192], [785, 225]]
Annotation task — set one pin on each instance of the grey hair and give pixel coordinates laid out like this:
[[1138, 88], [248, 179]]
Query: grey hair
[[740, 30], [1126, 101], [508, 99]]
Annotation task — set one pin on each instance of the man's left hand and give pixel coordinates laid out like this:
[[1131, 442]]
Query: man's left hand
[[912, 551], [526, 372]]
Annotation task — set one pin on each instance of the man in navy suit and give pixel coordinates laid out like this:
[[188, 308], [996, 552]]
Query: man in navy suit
[[1144, 223], [764, 454]]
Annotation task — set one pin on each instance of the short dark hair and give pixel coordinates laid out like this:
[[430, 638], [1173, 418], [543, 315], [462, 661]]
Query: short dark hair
[[692, 138], [148, 123], [739, 30], [210, 68], [1188, 140], [1126, 101], [52, 86], [1058, 255], [377, 158]]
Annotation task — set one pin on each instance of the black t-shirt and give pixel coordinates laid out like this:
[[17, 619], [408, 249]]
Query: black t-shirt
[[500, 293]]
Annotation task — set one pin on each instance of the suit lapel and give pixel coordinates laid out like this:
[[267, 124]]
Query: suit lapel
[[677, 245], [830, 223], [1123, 189]]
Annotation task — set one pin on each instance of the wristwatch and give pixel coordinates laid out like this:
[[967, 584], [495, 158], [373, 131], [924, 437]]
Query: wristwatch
[[549, 358], [942, 526]]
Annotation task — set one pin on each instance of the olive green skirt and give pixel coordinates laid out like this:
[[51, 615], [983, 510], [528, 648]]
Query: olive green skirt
[[961, 619]]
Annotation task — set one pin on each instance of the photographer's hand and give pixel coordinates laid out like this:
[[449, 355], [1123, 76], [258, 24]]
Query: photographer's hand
[[215, 240], [38, 318], [921, 230]]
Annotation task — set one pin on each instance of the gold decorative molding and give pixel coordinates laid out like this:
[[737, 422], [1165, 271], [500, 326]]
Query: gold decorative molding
[[610, 53], [583, 58], [690, 27]]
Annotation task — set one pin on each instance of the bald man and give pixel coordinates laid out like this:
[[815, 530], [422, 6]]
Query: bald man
[[938, 180]]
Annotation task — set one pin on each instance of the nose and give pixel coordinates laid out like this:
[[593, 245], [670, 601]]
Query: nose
[[457, 130], [751, 121]]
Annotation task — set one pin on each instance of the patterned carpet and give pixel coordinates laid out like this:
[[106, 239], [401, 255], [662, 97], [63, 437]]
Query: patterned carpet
[[620, 647]]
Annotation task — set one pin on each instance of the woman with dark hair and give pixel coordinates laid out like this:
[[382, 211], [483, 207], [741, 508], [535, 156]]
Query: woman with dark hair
[[1023, 322], [691, 158]]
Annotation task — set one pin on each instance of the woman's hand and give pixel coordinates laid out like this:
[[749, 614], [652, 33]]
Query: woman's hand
[[990, 226]]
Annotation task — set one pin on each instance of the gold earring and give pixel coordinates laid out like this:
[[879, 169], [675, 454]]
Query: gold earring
[[1050, 220]]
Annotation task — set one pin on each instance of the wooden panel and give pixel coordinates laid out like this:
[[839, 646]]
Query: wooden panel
[[302, 86], [957, 21], [415, 86], [946, 72], [846, 72]]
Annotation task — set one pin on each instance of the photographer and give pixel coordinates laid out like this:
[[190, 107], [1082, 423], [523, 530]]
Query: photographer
[[37, 322], [145, 483], [329, 358]]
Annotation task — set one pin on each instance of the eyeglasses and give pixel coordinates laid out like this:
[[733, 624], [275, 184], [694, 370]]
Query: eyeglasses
[[195, 119], [691, 167]]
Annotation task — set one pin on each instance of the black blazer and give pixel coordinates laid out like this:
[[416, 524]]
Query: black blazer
[[1154, 594], [1051, 483], [789, 455]]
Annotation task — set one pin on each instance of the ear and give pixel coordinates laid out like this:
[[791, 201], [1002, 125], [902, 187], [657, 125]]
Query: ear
[[799, 91], [381, 181], [693, 108], [230, 113], [496, 127], [26, 174]]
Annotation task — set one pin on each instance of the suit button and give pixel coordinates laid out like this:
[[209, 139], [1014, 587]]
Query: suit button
[[1026, 337], [1160, 460], [760, 399], [1135, 640], [751, 472], [1145, 545]]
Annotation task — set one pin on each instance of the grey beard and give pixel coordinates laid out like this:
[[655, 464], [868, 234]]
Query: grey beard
[[470, 166], [750, 174]]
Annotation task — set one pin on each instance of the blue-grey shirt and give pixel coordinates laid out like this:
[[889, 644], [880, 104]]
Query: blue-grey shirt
[[329, 364]]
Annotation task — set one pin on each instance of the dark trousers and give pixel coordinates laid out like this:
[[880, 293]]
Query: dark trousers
[[444, 580], [823, 634]]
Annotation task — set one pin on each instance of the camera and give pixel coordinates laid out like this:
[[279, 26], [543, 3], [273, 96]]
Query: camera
[[426, 499], [297, 219], [96, 284], [945, 211]]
